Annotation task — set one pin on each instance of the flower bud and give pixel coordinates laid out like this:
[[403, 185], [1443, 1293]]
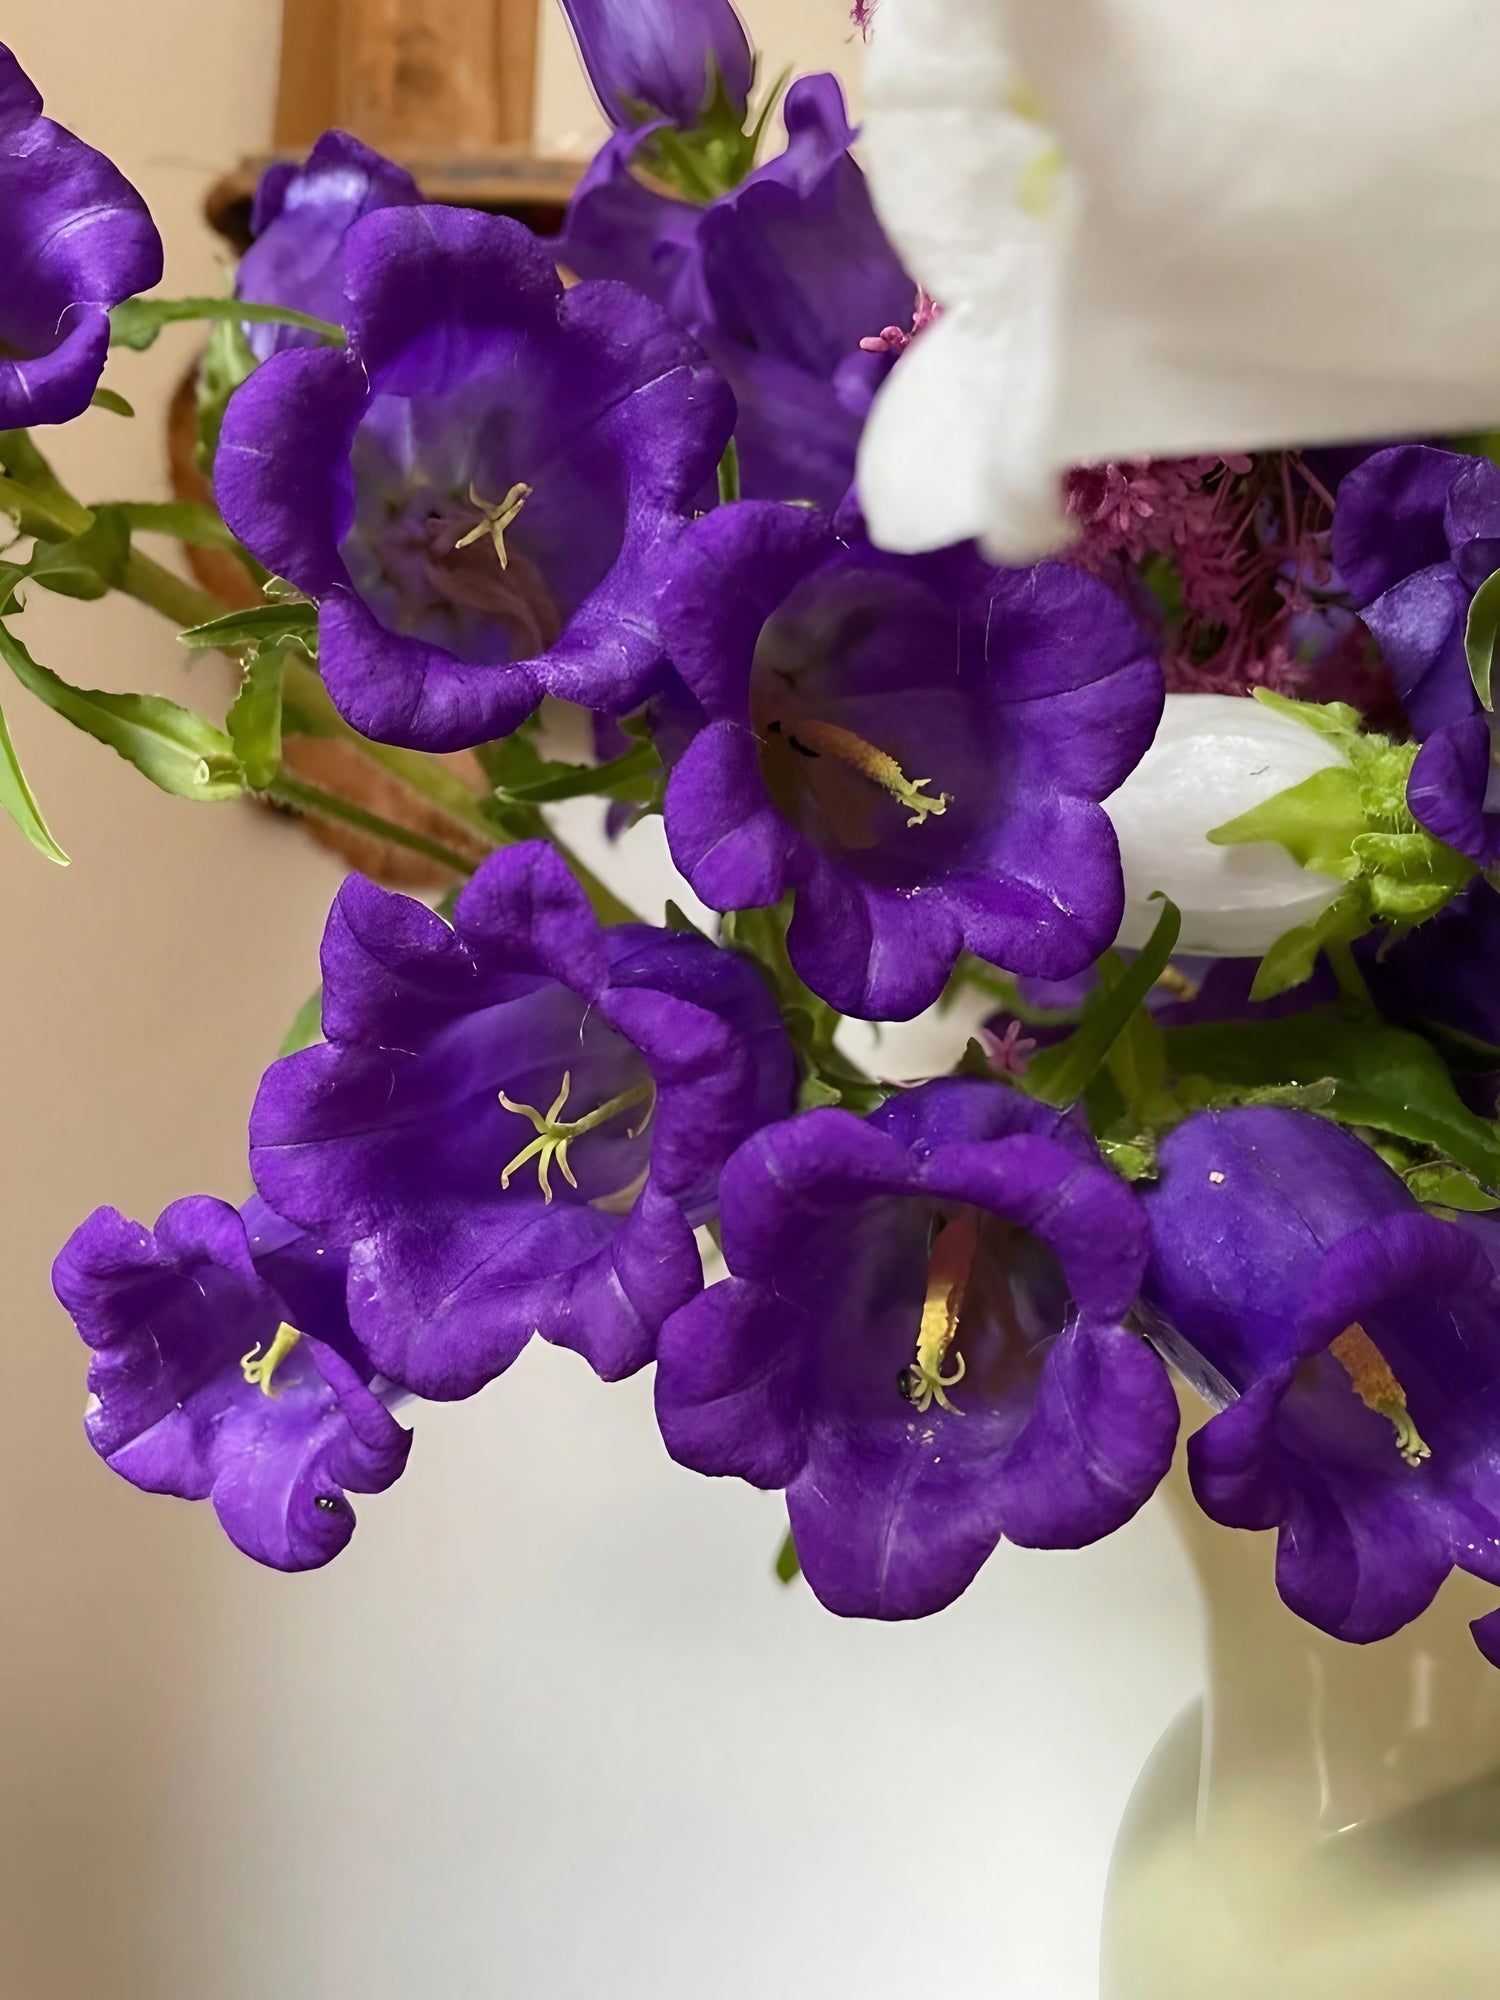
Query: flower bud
[[1215, 757], [661, 58]]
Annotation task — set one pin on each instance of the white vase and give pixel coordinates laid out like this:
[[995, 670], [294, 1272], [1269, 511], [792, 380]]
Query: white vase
[[1326, 1822]]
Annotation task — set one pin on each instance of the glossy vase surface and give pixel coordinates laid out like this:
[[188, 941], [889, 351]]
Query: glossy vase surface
[[1326, 1822]]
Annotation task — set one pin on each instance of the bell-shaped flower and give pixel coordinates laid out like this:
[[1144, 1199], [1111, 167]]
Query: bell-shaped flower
[[1157, 230], [224, 1369], [299, 222], [1416, 533], [515, 1124], [780, 280], [75, 239], [922, 1341], [916, 746], [1351, 1345], [481, 491], [662, 58]]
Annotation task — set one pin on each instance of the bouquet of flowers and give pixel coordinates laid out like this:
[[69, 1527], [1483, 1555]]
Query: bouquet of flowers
[[1170, 742]]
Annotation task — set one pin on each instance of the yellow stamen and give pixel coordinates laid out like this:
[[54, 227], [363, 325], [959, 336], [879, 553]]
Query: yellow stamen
[[1377, 1388], [260, 1372], [498, 516], [828, 739], [554, 1134], [949, 1266], [1036, 192]]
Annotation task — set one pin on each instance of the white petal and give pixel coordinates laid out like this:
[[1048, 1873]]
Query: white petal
[[1215, 756], [1284, 223], [956, 176]]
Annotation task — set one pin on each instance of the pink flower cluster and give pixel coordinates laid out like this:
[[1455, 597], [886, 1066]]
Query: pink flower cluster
[[1241, 549]]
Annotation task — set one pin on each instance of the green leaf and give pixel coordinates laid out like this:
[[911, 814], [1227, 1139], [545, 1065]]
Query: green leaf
[[37, 510], [307, 1027], [1317, 822], [629, 778], [1061, 1075], [89, 565], [788, 1562], [17, 799], [261, 625], [111, 400], [137, 322], [254, 719], [1384, 1077], [184, 520], [171, 745], [1480, 635]]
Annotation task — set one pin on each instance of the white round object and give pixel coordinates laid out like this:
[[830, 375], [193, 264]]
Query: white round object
[[1215, 756]]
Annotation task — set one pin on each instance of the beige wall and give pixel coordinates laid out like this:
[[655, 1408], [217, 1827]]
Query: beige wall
[[547, 1730]]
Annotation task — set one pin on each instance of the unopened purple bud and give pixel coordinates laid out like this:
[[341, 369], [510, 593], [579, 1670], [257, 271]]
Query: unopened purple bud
[[661, 56]]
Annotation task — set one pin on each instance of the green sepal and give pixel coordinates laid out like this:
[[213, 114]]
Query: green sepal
[[1443, 1185], [18, 800], [1132, 1159], [677, 919], [254, 718], [307, 1025], [1382, 1077], [1061, 1075], [137, 322], [111, 400], [260, 625], [1292, 959], [226, 362], [1317, 822], [1350, 822], [1480, 635], [788, 1562], [173, 746]]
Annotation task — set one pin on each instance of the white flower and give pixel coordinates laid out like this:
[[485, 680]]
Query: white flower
[[1278, 223], [1216, 756]]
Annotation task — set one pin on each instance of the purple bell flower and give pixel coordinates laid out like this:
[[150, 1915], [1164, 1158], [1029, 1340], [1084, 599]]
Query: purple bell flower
[[922, 1341], [917, 745], [75, 239], [515, 1124], [780, 280], [300, 221], [1416, 531], [1351, 1344], [481, 491], [661, 57], [224, 1369]]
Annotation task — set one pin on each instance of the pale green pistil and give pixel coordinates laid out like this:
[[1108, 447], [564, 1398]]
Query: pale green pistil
[[498, 515], [554, 1133], [258, 1369]]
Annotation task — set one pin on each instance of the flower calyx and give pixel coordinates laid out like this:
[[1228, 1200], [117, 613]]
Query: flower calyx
[[1352, 822]]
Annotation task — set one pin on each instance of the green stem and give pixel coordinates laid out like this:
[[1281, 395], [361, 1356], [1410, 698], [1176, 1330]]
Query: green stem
[[1351, 980], [152, 583], [295, 792]]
